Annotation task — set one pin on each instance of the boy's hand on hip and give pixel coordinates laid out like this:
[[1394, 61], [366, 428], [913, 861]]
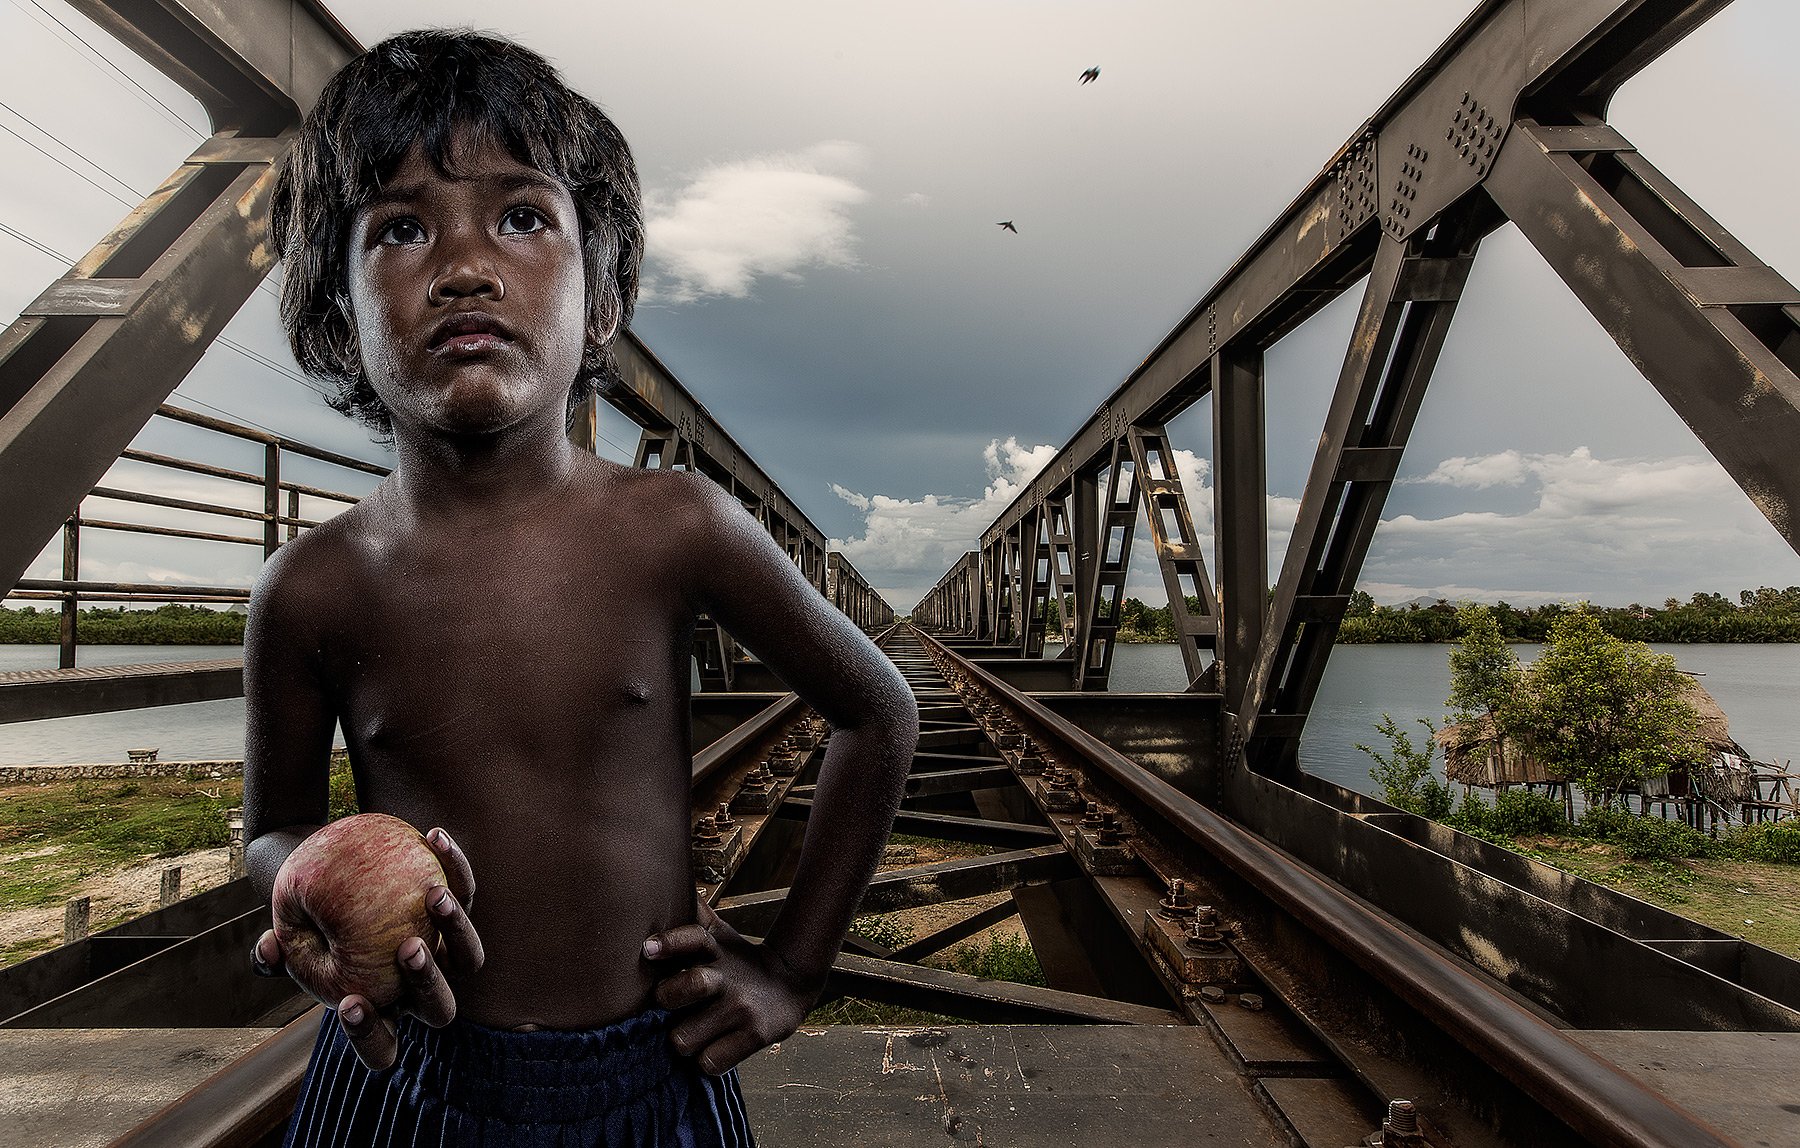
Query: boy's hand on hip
[[734, 996], [427, 994]]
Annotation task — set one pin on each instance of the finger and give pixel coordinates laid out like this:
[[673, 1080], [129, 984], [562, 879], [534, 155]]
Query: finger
[[371, 1035], [701, 1030], [457, 871], [726, 1053], [265, 955], [462, 948], [689, 987], [428, 995], [691, 943]]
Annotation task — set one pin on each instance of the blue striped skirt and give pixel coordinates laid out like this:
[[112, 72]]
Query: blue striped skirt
[[463, 1084]]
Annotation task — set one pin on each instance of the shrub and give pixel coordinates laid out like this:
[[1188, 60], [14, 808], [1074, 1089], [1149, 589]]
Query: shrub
[[1435, 799], [1657, 839], [882, 930], [1471, 816], [1521, 813], [1601, 822], [1404, 772], [1777, 842], [1006, 958]]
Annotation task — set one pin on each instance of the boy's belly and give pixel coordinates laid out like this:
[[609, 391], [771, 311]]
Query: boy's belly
[[564, 940]]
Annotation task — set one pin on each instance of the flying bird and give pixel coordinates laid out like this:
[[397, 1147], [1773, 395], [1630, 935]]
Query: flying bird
[[1090, 75], [1009, 226]]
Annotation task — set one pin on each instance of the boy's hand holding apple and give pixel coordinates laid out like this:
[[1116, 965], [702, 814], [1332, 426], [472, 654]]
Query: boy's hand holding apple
[[369, 915]]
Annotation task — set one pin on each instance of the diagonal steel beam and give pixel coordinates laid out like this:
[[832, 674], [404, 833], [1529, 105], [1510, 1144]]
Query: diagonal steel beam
[[1713, 328], [1429, 145], [1411, 298]]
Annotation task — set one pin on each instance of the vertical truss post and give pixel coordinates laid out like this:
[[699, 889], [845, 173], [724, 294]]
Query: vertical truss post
[[1713, 328], [1407, 307], [271, 498], [1241, 519], [71, 603], [1178, 555], [1084, 527], [1098, 623], [1037, 556], [1062, 561]]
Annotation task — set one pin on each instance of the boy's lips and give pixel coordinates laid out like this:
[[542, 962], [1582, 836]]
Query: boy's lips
[[468, 331]]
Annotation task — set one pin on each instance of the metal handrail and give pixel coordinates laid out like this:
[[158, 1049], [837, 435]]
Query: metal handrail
[[71, 590]]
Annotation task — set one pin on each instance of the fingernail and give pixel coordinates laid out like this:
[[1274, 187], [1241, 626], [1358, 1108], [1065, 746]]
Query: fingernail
[[353, 1014], [415, 960], [653, 948], [443, 904], [440, 839]]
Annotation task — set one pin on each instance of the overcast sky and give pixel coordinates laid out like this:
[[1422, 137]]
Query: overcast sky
[[825, 271]]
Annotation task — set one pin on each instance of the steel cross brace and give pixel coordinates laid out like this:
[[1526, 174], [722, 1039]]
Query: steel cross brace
[[1177, 545], [1407, 307]]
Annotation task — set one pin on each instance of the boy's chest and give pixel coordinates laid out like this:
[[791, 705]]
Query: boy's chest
[[481, 640]]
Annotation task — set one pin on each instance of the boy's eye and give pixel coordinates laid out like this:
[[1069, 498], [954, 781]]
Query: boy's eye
[[400, 231], [522, 220]]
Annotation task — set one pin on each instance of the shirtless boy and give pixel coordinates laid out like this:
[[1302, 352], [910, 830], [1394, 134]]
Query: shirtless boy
[[503, 627]]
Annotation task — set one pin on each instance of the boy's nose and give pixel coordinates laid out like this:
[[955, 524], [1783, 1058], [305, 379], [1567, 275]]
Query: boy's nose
[[462, 278]]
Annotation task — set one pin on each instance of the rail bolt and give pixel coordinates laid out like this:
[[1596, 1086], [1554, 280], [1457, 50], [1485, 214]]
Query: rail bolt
[[1402, 1120], [1251, 1001], [1176, 904]]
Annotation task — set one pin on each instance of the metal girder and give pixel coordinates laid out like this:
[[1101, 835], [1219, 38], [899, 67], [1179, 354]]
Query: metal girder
[[89, 361], [255, 65], [653, 398], [1714, 329], [1424, 149], [1177, 546], [1410, 299], [1103, 528]]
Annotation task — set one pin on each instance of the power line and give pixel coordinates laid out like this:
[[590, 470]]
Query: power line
[[30, 242], [55, 159], [146, 97]]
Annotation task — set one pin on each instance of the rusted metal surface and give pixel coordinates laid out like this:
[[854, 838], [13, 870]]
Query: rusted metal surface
[[1591, 1095]]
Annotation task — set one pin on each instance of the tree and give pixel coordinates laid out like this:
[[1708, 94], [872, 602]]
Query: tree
[[1404, 773], [1603, 712], [1484, 671]]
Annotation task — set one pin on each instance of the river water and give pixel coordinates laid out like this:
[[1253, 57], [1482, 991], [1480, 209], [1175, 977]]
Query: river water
[[1758, 687]]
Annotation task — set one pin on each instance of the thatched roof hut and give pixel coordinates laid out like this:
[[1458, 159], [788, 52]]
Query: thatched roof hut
[[1473, 756]]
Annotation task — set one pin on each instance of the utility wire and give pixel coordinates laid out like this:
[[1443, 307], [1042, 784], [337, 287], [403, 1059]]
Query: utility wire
[[58, 160], [53, 138], [123, 78]]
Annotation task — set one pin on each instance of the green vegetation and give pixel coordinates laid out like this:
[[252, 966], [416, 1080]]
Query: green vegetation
[[1601, 711], [1762, 615], [1004, 958], [169, 625], [53, 836], [1404, 772]]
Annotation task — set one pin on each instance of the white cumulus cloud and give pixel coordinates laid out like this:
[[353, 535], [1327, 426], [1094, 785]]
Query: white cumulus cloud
[[763, 216]]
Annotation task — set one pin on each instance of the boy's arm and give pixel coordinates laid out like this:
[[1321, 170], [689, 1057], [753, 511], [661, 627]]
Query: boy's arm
[[748, 996], [289, 719]]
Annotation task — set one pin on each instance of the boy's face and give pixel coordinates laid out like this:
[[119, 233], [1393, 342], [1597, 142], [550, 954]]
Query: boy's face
[[469, 293]]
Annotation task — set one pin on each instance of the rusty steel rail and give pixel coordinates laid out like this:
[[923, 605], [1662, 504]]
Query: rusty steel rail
[[1590, 1094], [239, 1105]]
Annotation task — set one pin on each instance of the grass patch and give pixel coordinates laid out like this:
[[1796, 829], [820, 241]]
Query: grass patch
[[1758, 901], [53, 835]]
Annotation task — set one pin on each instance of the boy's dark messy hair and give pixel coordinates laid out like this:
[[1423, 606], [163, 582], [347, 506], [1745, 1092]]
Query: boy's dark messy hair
[[422, 87]]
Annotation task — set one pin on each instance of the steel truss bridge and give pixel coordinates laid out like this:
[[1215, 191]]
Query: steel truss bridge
[[1235, 949]]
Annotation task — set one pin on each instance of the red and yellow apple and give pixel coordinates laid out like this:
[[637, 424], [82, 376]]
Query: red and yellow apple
[[346, 899]]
